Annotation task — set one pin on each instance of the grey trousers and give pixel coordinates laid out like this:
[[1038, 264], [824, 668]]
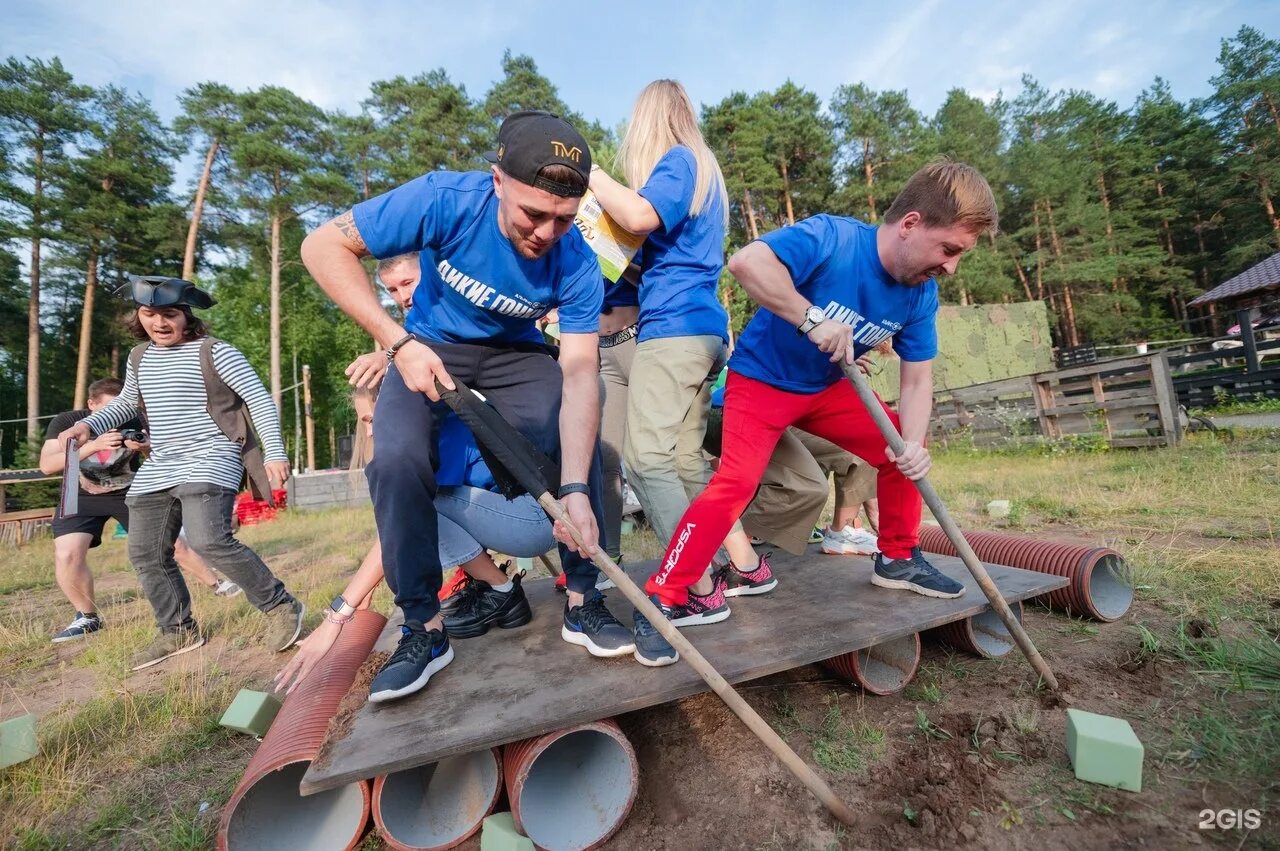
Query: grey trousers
[[615, 371], [205, 510]]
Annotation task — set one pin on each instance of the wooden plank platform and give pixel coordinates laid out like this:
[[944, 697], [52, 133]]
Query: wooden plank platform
[[513, 684]]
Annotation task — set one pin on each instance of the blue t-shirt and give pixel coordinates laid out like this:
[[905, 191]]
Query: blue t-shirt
[[680, 262], [475, 286], [460, 459], [834, 264], [620, 293]]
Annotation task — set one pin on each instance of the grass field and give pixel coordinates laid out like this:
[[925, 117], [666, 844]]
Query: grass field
[[138, 760]]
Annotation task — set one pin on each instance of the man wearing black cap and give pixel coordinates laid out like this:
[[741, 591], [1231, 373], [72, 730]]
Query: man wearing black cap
[[204, 405], [498, 250]]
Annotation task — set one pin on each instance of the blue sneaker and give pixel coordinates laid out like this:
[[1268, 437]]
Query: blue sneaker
[[652, 650], [419, 655], [594, 627], [915, 574], [80, 627]]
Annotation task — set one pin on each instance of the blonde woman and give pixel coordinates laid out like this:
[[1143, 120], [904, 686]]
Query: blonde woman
[[676, 197]]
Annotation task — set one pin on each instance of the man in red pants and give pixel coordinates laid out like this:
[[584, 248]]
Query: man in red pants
[[831, 288]]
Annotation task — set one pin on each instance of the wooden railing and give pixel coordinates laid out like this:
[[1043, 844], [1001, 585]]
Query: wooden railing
[[1126, 401]]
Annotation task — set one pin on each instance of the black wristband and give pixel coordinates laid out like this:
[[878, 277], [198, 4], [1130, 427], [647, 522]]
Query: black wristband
[[573, 487], [395, 347]]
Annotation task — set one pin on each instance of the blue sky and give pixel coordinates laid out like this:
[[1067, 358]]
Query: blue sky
[[330, 52]]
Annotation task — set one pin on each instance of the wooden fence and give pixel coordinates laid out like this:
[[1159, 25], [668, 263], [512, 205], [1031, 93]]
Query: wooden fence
[[1126, 401]]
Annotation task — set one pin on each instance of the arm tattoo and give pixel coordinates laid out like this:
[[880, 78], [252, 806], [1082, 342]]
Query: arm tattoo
[[347, 224]]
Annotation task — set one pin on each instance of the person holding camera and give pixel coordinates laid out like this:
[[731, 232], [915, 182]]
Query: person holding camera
[[207, 411], [107, 465]]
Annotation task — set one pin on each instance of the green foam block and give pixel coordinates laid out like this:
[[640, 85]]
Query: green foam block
[[1104, 750], [499, 834], [17, 740], [251, 712]]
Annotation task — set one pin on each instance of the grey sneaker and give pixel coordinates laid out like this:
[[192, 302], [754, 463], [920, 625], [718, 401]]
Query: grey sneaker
[[284, 624], [167, 644], [914, 574]]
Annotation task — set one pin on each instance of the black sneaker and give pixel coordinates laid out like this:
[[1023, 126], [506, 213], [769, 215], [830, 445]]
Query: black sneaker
[[738, 583], [594, 627], [915, 574], [652, 650], [702, 608], [463, 590], [487, 607], [419, 655], [80, 627]]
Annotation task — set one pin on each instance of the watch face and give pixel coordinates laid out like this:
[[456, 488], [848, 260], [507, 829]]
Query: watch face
[[815, 315]]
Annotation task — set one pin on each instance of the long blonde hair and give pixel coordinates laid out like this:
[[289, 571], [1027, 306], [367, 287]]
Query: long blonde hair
[[662, 118]]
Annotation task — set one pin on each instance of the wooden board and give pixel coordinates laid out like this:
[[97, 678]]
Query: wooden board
[[513, 684]]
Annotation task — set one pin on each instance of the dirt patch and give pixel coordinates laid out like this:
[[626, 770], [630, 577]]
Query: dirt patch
[[352, 702]]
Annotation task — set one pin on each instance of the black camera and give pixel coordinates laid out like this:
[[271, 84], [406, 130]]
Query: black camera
[[136, 435]]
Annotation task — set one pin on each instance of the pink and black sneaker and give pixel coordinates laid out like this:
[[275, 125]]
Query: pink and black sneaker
[[711, 608], [740, 583]]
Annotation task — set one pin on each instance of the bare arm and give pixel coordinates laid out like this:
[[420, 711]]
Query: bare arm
[[769, 283], [625, 206], [915, 405], [314, 647], [332, 255], [579, 421]]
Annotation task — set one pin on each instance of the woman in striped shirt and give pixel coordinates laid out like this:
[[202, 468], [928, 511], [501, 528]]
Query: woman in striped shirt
[[194, 470]]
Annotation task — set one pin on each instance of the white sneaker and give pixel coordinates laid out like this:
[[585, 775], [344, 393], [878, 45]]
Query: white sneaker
[[849, 541], [227, 588]]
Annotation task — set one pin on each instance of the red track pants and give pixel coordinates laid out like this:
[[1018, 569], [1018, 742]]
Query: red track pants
[[755, 415]]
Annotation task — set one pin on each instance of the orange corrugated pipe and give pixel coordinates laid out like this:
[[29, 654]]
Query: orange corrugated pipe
[[881, 669], [983, 635], [265, 811], [571, 790], [1098, 579], [437, 806]]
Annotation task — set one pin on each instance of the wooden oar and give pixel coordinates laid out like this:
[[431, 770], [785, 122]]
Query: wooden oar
[[940, 513], [513, 451]]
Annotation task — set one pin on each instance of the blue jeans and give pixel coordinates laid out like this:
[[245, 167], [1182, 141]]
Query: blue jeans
[[523, 383], [472, 520]]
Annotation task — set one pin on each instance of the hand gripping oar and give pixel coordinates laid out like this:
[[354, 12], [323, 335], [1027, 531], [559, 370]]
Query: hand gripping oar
[[513, 451], [931, 499]]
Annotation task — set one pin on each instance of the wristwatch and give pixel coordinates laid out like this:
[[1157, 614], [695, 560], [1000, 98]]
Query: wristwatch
[[340, 606], [573, 487], [813, 317]]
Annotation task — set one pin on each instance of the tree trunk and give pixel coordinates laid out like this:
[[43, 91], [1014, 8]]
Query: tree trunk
[[728, 309], [1053, 234], [753, 229], [786, 190], [1164, 219], [33, 303], [868, 175], [275, 310], [1264, 190], [86, 329], [1022, 277], [115, 359], [1271, 107], [189, 255], [1203, 272], [1039, 255], [1073, 335]]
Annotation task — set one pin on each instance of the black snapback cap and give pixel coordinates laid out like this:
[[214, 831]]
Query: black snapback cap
[[531, 140]]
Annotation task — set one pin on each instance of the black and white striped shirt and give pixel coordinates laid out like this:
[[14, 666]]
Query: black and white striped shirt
[[186, 444]]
